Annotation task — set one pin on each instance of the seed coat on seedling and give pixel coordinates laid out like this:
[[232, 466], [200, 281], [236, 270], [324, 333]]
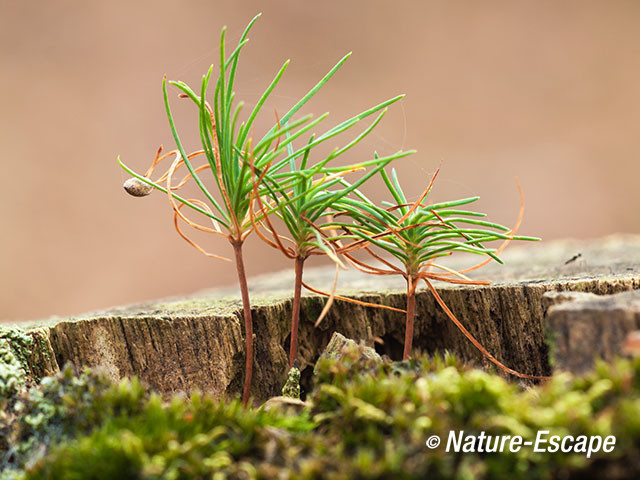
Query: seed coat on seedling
[[137, 188]]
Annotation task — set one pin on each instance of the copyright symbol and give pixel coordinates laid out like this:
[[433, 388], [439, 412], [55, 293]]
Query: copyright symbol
[[433, 441]]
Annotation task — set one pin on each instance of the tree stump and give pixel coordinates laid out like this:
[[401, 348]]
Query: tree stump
[[183, 344], [585, 327]]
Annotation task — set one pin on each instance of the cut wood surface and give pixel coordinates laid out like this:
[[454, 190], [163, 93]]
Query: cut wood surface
[[585, 327], [196, 342]]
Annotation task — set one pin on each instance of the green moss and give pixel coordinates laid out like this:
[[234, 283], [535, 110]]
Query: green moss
[[201, 305], [19, 342], [366, 420], [551, 338], [15, 347], [64, 406], [291, 388]]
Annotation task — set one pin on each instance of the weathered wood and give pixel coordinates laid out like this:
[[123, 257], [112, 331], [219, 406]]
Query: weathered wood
[[584, 327], [197, 342], [339, 346]]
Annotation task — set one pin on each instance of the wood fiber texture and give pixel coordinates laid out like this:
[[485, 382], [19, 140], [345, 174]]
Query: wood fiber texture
[[184, 344]]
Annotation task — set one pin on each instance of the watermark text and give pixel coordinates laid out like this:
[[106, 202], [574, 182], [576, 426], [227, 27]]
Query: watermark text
[[543, 443]]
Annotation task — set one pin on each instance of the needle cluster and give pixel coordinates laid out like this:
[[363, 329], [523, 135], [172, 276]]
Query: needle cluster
[[299, 201]]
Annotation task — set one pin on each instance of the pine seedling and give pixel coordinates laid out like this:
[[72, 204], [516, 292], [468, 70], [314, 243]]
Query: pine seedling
[[416, 235], [234, 159], [303, 207]]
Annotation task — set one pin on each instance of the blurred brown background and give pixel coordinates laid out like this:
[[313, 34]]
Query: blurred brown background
[[547, 91]]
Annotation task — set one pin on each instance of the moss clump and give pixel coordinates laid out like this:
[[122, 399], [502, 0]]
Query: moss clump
[[291, 388], [24, 359], [12, 374], [382, 419], [18, 341], [366, 420], [61, 407], [15, 346]]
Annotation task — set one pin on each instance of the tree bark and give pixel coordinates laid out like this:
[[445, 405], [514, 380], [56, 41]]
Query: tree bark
[[587, 327]]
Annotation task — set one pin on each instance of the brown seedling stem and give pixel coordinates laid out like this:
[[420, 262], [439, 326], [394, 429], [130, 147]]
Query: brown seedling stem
[[248, 322], [295, 318], [411, 310]]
